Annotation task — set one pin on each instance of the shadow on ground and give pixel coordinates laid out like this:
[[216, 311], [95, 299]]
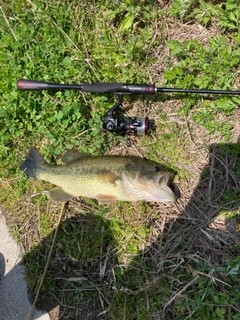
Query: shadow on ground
[[188, 271]]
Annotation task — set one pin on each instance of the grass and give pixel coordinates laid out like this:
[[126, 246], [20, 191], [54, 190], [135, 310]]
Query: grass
[[131, 261]]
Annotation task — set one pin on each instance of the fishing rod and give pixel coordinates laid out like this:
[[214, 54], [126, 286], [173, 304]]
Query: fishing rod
[[113, 121]]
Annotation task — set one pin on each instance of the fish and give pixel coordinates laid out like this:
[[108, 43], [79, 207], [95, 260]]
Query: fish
[[107, 178]]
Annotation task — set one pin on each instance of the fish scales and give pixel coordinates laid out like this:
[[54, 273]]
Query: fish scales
[[88, 175], [105, 178]]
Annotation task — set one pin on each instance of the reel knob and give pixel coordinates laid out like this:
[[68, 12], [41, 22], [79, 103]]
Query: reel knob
[[144, 126]]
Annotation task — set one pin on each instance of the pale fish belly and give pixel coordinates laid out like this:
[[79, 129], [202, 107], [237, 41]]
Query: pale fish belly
[[100, 187]]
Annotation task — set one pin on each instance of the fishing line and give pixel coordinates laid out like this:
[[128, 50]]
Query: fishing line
[[48, 261]]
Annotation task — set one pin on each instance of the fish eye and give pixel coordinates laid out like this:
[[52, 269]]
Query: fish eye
[[156, 169]]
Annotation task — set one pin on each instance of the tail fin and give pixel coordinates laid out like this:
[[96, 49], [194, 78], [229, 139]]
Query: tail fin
[[32, 162]]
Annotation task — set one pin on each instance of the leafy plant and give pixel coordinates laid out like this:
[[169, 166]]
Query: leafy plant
[[58, 48], [226, 15], [201, 67], [128, 260]]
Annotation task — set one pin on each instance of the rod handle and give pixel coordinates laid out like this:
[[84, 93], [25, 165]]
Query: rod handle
[[23, 84], [33, 85], [119, 88]]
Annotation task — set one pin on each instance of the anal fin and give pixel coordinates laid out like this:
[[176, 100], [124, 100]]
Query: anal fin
[[105, 199]]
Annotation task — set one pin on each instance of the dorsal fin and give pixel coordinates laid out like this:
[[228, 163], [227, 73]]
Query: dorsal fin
[[71, 155]]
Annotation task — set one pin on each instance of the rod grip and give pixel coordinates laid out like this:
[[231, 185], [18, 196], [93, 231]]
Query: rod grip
[[102, 87], [118, 88]]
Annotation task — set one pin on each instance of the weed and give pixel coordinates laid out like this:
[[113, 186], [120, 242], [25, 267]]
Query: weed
[[63, 52], [226, 15], [201, 67], [132, 261]]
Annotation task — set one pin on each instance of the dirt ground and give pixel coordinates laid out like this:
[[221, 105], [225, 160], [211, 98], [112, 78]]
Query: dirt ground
[[216, 233]]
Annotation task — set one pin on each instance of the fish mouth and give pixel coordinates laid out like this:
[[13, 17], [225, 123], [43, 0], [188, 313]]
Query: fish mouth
[[167, 182], [158, 188], [164, 178]]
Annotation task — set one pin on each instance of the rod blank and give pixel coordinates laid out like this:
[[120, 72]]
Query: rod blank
[[199, 91]]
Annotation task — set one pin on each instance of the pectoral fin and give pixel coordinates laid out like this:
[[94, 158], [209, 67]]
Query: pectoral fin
[[57, 194], [105, 176]]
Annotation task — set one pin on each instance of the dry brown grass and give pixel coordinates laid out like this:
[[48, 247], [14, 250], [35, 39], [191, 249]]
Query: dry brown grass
[[193, 230]]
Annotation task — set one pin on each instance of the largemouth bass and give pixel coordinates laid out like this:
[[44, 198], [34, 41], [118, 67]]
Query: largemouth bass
[[105, 178]]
